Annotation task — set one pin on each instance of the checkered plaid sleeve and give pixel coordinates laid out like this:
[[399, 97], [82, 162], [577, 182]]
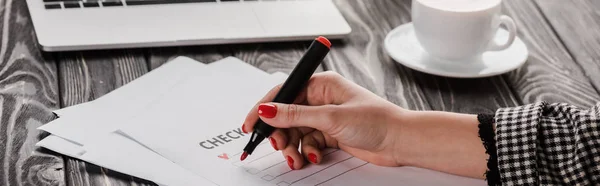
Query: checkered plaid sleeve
[[548, 144]]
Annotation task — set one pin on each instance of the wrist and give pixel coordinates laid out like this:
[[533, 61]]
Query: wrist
[[400, 126], [442, 141]]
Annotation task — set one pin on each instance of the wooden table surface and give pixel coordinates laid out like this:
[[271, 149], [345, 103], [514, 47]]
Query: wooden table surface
[[563, 37]]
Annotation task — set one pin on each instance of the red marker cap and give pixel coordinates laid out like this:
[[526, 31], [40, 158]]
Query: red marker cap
[[324, 41]]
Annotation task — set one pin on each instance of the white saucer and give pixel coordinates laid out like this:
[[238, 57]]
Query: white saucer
[[402, 45]]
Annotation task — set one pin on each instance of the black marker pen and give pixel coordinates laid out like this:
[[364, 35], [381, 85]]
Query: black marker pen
[[291, 88]]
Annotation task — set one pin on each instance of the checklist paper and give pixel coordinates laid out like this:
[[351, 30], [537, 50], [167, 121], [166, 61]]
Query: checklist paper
[[212, 147], [204, 136], [186, 131]]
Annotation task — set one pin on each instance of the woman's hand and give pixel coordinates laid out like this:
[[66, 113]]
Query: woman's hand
[[331, 112], [336, 113]]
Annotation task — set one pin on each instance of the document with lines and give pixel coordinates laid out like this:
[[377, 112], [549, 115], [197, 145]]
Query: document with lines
[[202, 134]]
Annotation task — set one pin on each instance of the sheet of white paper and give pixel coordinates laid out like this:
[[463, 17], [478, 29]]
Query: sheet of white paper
[[61, 145], [203, 135], [134, 158], [123, 155], [105, 116]]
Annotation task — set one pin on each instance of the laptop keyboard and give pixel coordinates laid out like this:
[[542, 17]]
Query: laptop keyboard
[[71, 4]]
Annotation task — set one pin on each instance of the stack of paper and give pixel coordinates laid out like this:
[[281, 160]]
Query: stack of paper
[[180, 125]]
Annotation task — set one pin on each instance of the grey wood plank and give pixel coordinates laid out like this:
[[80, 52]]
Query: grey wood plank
[[272, 57], [85, 76], [205, 54], [360, 56], [550, 73], [577, 23], [28, 94], [483, 95]]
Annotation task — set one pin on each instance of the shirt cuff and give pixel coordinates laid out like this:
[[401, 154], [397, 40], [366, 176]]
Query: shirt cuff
[[487, 135]]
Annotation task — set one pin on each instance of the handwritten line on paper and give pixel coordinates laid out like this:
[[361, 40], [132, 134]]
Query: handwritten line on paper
[[283, 173], [316, 172], [274, 165], [261, 157], [336, 150], [342, 173], [253, 170], [268, 177]]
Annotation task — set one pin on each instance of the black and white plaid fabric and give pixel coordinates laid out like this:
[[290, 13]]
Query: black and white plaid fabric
[[548, 144]]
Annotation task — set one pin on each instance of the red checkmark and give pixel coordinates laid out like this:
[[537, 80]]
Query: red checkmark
[[223, 156]]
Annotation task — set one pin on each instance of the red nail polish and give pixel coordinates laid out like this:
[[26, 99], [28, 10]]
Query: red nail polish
[[312, 158], [244, 129], [273, 143], [290, 162], [267, 110]]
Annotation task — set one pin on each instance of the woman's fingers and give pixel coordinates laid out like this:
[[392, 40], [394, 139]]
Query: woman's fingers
[[290, 152], [312, 143], [279, 115], [278, 139], [299, 121]]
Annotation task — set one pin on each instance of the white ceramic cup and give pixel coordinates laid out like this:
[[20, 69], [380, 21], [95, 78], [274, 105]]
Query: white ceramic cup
[[452, 32]]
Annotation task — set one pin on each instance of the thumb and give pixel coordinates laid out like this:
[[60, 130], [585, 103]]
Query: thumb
[[291, 115]]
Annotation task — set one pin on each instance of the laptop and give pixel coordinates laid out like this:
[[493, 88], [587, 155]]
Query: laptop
[[68, 25]]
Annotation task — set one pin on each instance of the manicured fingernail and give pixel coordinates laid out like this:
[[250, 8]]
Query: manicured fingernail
[[312, 158], [244, 129], [290, 162], [267, 110], [273, 143]]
